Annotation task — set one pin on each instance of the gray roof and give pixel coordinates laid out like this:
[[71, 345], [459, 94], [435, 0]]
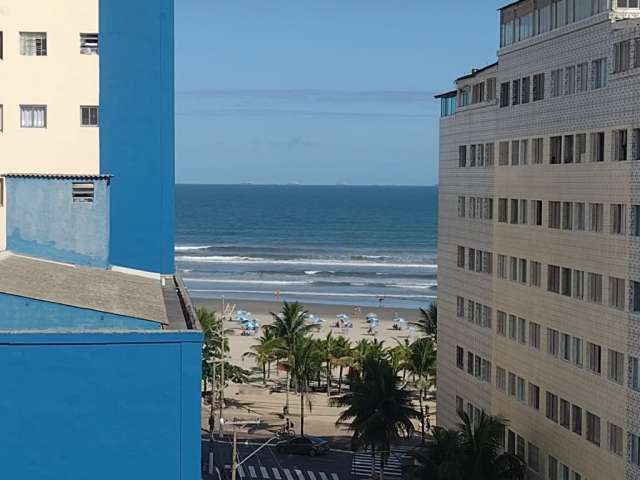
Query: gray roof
[[56, 176], [91, 288]]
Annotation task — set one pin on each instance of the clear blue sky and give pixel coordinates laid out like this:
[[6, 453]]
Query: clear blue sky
[[320, 91]]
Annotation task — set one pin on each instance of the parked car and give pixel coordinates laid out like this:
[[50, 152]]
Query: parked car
[[311, 446]]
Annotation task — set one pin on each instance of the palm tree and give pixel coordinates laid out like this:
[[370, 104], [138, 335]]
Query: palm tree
[[342, 357], [428, 322], [378, 411], [328, 347], [305, 364], [264, 352], [421, 362], [470, 453], [400, 356], [289, 325]]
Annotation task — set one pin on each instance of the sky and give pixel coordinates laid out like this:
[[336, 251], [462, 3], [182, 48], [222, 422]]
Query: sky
[[320, 92]]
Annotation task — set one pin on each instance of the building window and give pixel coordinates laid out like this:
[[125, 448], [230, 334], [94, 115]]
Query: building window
[[504, 94], [520, 447], [553, 340], [503, 210], [514, 211], [503, 154], [582, 80], [594, 288], [461, 257], [502, 267], [524, 152], [635, 293], [615, 366], [522, 271], [570, 80], [501, 379], [556, 83], [472, 156], [491, 89], [460, 307], [594, 358], [565, 414], [534, 396], [536, 274], [567, 216], [463, 96], [460, 358], [552, 468], [636, 47], [489, 155], [620, 142], [534, 335], [593, 428], [461, 207], [536, 212], [459, 405], [634, 445], [1, 118], [512, 384], [596, 217], [1, 45], [555, 152], [83, 192], [555, 215], [597, 147], [621, 56], [33, 116], [553, 278], [537, 145], [477, 94], [576, 352], [516, 92], [568, 149], [599, 73], [89, 116], [515, 153], [634, 373], [534, 458], [618, 219], [462, 156], [578, 284], [579, 216], [33, 44], [538, 87], [576, 420], [581, 148], [522, 331], [565, 347], [502, 324], [513, 262], [616, 293], [526, 89], [470, 363], [513, 327], [89, 43], [552, 407]]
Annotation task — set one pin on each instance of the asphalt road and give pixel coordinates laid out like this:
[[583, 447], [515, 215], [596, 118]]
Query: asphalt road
[[267, 464]]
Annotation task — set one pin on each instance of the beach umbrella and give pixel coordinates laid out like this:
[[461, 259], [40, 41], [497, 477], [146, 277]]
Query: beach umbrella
[[342, 316]]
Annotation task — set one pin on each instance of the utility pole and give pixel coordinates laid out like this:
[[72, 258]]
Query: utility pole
[[234, 460]]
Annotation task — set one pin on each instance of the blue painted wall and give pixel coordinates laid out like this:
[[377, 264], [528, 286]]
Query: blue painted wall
[[100, 406], [137, 130], [20, 313], [43, 221]]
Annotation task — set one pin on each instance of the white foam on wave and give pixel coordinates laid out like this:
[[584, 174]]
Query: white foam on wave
[[265, 261], [191, 248], [249, 282], [318, 294]]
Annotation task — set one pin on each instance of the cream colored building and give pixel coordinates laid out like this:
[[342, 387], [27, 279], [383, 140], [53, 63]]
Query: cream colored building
[[539, 249]]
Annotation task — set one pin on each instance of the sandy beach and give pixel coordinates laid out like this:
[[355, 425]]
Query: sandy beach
[[266, 401]]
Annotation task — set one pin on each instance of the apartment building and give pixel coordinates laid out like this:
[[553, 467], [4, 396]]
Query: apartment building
[[539, 249], [100, 360]]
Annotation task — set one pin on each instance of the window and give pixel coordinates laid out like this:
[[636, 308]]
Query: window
[[581, 148], [520, 446], [534, 396], [514, 211], [555, 152], [503, 154], [460, 307], [462, 207], [553, 340], [634, 445], [534, 335], [634, 373], [594, 358], [477, 94], [568, 149], [503, 210], [520, 390], [599, 73], [504, 94], [620, 143], [635, 220], [614, 439], [594, 288], [1, 46], [596, 217], [522, 331], [472, 156], [513, 327], [516, 92], [501, 379], [578, 284], [565, 347], [565, 282], [538, 87], [89, 116], [582, 80], [567, 215], [478, 367], [491, 89], [552, 468], [576, 351], [513, 263], [515, 153], [597, 147], [524, 205], [556, 83], [536, 212], [460, 358], [82, 192], [565, 414], [502, 324], [579, 216], [538, 150], [553, 278], [615, 363], [463, 96], [616, 293], [526, 89], [489, 155], [536, 274], [502, 267], [33, 116], [576, 419], [1, 118], [555, 215], [470, 363], [512, 384], [461, 257], [524, 152], [552, 407], [534, 458], [459, 405], [511, 442], [636, 61], [472, 260], [89, 43], [33, 44], [593, 428], [621, 56], [462, 156], [564, 472], [522, 270], [570, 80]]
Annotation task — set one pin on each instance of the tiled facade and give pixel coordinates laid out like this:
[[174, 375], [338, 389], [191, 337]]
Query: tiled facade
[[548, 276]]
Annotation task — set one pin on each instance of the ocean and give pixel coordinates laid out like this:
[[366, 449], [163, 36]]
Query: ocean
[[331, 245]]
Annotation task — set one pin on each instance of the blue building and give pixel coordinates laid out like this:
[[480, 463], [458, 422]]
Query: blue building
[[100, 350]]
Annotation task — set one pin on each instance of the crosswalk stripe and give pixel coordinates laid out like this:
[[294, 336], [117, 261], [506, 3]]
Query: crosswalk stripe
[[323, 476], [300, 475], [265, 473], [241, 471], [334, 476], [276, 474], [311, 475], [287, 474], [252, 472]]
